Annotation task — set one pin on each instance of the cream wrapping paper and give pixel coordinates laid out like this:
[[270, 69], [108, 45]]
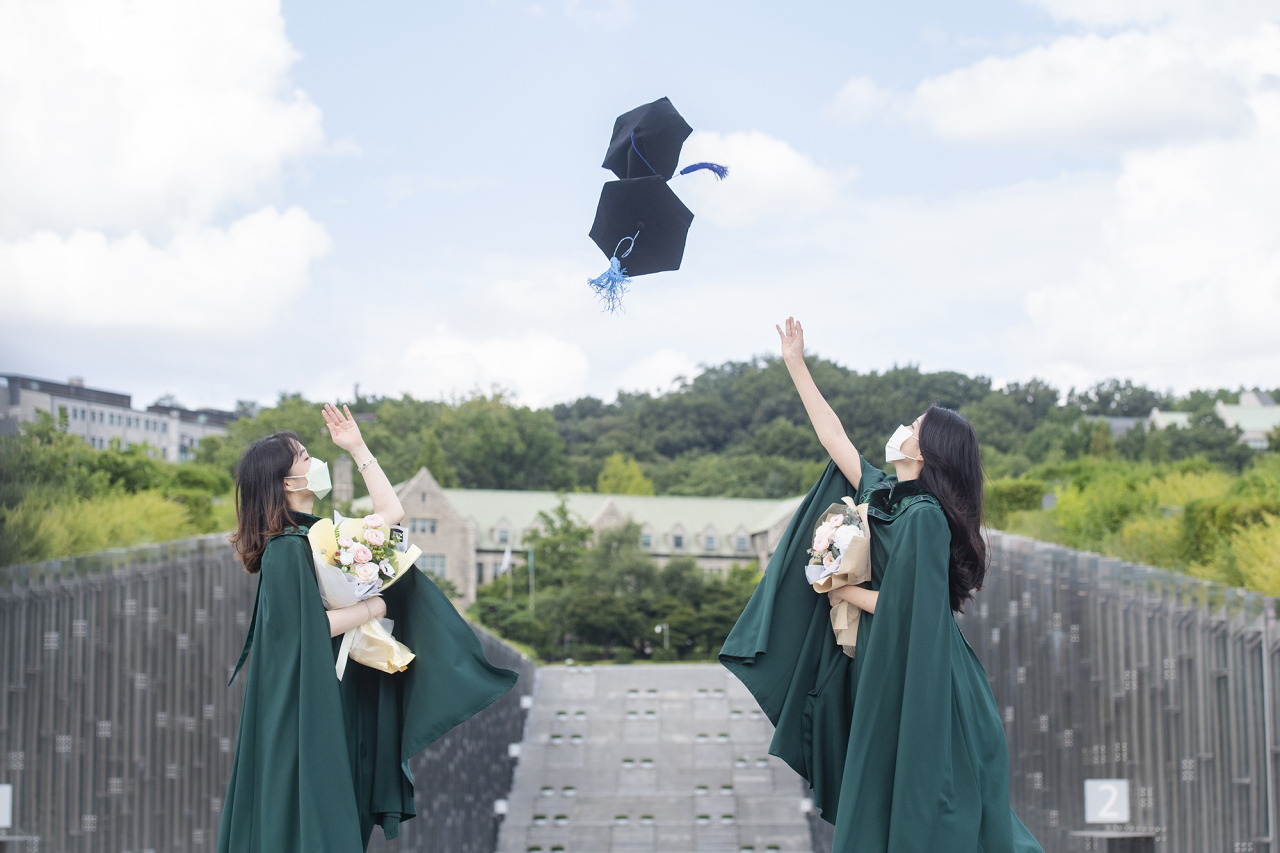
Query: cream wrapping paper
[[854, 567], [371, 643]]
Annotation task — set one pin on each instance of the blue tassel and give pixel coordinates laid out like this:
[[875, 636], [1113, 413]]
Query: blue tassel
[[611, 284], [720, 171]]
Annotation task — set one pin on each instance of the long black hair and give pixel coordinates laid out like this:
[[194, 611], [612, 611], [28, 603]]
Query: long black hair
[[952, 473], [262, 506]]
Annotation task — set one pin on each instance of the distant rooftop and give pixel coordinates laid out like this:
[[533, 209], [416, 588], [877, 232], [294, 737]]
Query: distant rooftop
[[73, 388]]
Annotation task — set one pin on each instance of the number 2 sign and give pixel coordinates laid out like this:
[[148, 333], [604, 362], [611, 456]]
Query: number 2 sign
[[1106, 800]]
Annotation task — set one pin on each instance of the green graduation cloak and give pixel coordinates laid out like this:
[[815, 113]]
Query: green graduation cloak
[[319, 761], [903, 744]]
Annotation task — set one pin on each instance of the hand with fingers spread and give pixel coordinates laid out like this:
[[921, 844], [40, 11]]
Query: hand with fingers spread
[[342, 427], [792, 341]]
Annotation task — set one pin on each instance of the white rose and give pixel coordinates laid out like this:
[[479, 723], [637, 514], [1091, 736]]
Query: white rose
[[346, 558], [366, 572], [844, 536]]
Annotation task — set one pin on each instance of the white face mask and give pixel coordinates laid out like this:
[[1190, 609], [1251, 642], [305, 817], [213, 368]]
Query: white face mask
[[893, 447], [317, 480]]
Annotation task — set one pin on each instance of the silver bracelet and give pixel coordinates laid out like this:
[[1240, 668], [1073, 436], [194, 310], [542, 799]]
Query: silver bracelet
[[372, 459]]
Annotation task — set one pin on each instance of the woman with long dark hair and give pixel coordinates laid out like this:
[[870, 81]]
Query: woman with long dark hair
[[319, 761], [902, 744]]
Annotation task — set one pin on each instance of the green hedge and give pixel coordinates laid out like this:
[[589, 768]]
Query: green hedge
[[1007, 495]]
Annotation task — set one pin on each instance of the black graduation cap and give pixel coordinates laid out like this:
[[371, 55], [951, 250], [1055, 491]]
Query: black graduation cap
[[647, 141], [640, 224], [649, 217]]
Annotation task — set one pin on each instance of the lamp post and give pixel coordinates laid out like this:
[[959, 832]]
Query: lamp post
[[665, 630], [530, 583]]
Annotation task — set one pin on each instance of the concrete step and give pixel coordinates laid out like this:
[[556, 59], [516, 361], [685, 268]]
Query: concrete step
[[671, 758]]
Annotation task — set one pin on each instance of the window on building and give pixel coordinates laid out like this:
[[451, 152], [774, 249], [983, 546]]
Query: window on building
[[430, 524], [709, 543], [479, 571], [432, 564], [646, 541], [164, 427], [742, 543], [82, 415], [502, 537], [74, 416], [677, 541]]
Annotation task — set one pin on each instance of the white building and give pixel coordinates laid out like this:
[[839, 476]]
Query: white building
[[463, 533], [1256, 414], [99, 416]]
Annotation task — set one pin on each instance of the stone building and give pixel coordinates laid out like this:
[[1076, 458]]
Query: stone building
[[463, 533], [99, 416]]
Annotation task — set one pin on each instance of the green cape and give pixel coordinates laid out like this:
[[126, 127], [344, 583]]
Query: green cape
[[319, 761], [919, 761]]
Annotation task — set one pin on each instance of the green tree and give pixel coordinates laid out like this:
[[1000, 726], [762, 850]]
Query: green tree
[[623, 475]]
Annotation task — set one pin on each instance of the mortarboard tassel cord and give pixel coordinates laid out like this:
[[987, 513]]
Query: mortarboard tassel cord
[[612, 283], [720, 171]]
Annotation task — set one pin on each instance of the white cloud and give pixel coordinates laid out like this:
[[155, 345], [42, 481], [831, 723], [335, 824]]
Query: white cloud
[[118, 115], [129, 131], [539, 367], [239, 276], [657, 371], [1129, 88], [858, 101], [605, 14], [768, 179], [1220, 14], [1185, 286]]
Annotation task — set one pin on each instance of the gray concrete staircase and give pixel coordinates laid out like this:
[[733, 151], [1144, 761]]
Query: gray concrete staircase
[[670, 758]]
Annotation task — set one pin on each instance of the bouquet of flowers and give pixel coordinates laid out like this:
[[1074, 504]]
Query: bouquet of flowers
[[841, 556], [355, 559]]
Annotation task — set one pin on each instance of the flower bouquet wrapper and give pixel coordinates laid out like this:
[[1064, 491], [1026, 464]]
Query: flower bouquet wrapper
[[371, 643], [850, 568], [374, 646]]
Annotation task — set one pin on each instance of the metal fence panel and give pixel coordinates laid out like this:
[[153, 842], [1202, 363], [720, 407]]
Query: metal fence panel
[[117, 727], [1105, 669]]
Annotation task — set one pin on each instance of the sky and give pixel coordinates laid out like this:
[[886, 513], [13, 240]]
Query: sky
[[230, 201]]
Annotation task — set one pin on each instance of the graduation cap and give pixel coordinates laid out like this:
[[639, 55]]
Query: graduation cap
[[639, 220]]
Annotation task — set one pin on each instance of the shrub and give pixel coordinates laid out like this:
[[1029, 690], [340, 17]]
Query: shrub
[[1006, 496], [624, 654]]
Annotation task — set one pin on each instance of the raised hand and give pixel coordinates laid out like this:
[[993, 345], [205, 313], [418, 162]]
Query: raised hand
[[792, 341], [342, 427]]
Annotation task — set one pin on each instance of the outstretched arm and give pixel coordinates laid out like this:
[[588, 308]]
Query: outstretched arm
[[346, 434], [825, 421]]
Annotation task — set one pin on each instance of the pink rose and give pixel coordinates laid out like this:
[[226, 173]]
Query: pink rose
[[366, 572], [828, 561], [822, 541], [362, 554], [345, 542], [374, 536], [374, 520], [346, 558]]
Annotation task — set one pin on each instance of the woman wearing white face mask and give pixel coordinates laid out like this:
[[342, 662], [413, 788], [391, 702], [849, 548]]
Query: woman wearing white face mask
[[903, 744], [318, 761]]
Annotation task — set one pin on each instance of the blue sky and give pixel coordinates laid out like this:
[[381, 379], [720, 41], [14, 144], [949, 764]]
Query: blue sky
[[236, 202]]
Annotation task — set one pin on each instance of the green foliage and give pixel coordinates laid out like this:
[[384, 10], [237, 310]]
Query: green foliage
[[1006, 496], [599, 595], [622, 475], [1189, 516], [59, 497], [44, 526]]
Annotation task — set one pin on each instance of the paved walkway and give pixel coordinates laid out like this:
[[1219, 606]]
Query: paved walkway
[[671, 758]]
